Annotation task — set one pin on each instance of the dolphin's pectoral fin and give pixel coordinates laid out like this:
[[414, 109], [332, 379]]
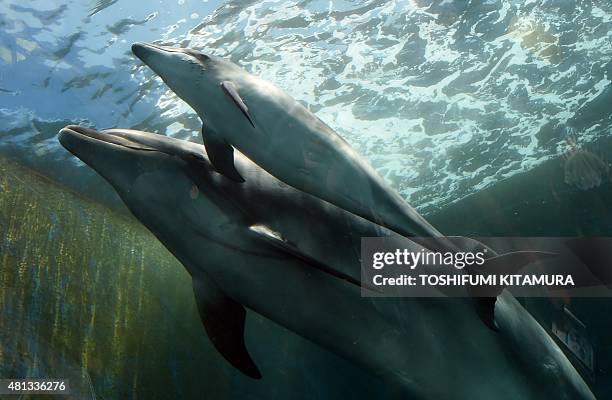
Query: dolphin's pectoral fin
[[505, 264], [221, 156], [277, 241], [230, 90], [223, 319]]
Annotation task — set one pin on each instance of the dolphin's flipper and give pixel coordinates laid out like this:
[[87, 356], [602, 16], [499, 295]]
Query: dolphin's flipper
[[277, 241], [221, 156], [508, 263], [223, 319], [230, 90]]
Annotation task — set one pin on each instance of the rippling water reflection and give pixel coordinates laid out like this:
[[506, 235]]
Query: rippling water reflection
[[443, 98]]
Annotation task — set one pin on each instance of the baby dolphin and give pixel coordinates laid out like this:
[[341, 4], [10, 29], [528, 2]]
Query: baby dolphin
[[282, 136]]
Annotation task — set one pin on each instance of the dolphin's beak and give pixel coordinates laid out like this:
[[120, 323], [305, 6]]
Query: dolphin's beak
[[72, 135], [163, 60], [144, 50], [106, 153], [76, 130]]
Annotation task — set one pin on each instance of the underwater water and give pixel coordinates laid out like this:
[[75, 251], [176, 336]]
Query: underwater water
[[490, 117]]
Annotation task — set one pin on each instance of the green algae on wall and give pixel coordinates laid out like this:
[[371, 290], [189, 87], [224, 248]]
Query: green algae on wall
[[89, 294]]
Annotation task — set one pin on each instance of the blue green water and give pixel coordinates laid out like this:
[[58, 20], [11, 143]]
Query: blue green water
[[446, 100]]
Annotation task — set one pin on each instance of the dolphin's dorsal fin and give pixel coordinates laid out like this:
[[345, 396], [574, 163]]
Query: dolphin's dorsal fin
[[221, 155], [224, 319], [230, 90], [508, 263], [277, 241]]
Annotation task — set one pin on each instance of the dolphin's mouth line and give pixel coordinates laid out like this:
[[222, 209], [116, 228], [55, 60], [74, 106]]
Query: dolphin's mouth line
[[106, 138]]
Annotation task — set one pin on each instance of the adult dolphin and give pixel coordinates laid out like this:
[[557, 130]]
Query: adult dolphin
[[281, 135], [245, 246]]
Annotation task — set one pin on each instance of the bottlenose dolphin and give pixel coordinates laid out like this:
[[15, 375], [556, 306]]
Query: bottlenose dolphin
[[281, 135], [245, 245]]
